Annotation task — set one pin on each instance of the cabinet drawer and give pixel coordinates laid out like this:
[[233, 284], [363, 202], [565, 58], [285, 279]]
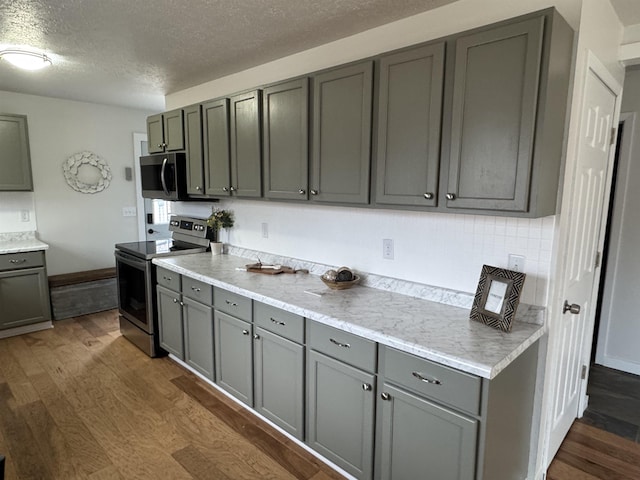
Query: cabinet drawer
[[232, 303], [341, 345], [168, 279], [13, 261], [286, 324], [200, 291], [458, 389]]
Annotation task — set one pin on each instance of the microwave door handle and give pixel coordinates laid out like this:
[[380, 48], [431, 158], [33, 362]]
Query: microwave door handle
[[162, 179]]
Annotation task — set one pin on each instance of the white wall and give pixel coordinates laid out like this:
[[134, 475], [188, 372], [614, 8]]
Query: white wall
[[620, 330], [81, 229], [437, 249]]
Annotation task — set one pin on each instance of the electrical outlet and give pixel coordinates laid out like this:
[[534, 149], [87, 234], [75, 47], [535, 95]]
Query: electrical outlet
[[387, 248], [129, 211], [265, 230], [24, 215], [516, 263]]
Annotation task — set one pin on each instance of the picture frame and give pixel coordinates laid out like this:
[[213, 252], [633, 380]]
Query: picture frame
[[497, 297]]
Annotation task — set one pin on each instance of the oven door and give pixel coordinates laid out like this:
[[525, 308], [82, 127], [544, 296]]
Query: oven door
[[136, 297]]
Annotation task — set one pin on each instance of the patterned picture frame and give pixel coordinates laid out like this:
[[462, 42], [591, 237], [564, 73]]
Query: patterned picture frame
[[497, 297]]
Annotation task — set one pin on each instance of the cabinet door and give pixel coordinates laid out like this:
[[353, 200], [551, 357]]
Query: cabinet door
[[170, 321], [340, 413], [421, 439], [341, 153], [233, 356], [495, 92], [215, 126], [246, 148], [155, 133], [15, 159], [173, 130], [279, 381], [286, 144], [193, 141], [24, 297], [409, 118], [198, 336]]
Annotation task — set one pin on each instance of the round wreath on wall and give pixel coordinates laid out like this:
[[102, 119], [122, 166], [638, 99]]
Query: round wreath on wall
[[86, 172]]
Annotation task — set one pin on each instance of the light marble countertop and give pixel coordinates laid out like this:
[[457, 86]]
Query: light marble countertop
[[20, 242], [431, 330]]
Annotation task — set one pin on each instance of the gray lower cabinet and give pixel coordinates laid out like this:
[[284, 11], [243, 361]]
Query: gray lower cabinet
[[246, 146], [216, 154], [422, 439], [24, 290], [198, 336], [193, 150], [170, 321], [341, 126], [15, 157], [506, 108], [286, 146], [409, 119], [234, 356]]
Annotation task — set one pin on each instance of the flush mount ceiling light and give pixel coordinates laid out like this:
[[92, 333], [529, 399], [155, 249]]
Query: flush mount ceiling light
[[25, 59]]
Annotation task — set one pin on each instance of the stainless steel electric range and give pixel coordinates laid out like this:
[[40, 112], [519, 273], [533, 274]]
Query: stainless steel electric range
[[137, 279]]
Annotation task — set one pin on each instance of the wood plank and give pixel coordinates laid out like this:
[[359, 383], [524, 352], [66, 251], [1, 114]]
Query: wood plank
[[198, 465], [562, 471]]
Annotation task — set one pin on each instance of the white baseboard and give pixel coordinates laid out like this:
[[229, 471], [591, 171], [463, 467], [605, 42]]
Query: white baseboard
[[622, 365], [34, 327]]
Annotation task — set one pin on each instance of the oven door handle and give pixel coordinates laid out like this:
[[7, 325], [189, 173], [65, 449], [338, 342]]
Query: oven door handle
[[162, 177], [131, 261]]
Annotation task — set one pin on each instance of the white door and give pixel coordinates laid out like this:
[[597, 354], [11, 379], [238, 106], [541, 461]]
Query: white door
[[153, 214], [571, 333]]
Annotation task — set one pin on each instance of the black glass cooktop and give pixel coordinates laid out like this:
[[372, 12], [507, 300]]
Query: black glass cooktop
[[159, 248]]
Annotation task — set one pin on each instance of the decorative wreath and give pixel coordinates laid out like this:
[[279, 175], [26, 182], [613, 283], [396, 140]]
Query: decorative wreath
[[72, 165]]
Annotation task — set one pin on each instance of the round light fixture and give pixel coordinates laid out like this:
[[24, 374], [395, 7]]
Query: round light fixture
[[25, 59]]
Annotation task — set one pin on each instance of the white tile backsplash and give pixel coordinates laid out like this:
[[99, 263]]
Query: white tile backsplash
[[443, 250]]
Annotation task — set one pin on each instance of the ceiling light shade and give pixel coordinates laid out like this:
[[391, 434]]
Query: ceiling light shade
[[25, 59]]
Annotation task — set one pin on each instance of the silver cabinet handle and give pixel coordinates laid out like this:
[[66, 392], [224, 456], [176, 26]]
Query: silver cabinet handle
[[245, 332], [385, 396], [314, 192], [256, 336], [225, 189], [16, 262], [573, 308], [168, 279], [302, 191], [160, 145], [231, 303], [366, 387], [277, 322], [175, 300], [198, 188], [335, 342], [428, 195], [422, 378], [233, 189], [450, 196], [195, 289]]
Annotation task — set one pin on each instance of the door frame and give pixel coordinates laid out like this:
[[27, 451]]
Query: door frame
[[138, 138], [557, 287], [624, 163]]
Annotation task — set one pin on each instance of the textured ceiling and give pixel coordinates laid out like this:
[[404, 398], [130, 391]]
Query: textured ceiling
[[133, 52]]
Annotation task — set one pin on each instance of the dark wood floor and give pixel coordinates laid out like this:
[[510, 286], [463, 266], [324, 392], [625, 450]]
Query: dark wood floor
[[80, 402]]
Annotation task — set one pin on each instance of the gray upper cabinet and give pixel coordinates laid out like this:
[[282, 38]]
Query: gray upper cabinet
[[286, 146], [165, 131], [246, 145], [15, 158], [508, 102], [341, 152], [217, 166], [409, 119], [193, 148]]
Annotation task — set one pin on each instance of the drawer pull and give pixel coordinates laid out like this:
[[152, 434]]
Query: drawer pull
[[195, 289], [168, 279], [335, 342], [233, 304], [245, 332], [256, 336], [385, 396], [366, 387], [15, 262], [433, 381], [277, 322]]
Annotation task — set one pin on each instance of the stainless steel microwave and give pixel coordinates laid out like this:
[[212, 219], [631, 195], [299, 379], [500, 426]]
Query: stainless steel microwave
[[164, 176]]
